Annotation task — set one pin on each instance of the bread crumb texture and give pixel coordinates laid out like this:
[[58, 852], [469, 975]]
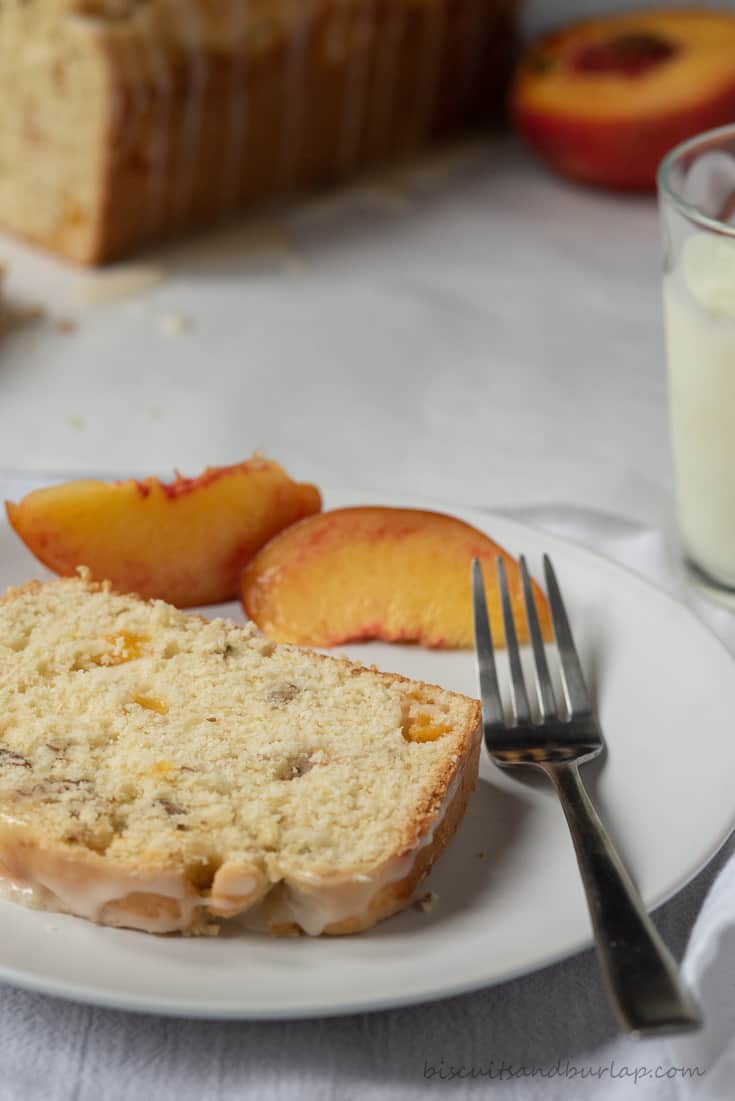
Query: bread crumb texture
[[165, 743]]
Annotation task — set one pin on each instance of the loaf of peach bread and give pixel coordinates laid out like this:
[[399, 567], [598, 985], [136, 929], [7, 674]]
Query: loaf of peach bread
[[124, 120], [163, 772]]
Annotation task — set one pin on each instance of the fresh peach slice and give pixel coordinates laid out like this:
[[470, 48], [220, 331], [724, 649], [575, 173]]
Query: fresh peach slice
[[400, 575], [185, 542]]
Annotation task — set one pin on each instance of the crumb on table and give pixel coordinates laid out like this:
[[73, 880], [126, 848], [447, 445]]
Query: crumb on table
[[427, 902], [173, 324]]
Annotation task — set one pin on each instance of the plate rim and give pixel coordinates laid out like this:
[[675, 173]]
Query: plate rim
[[173, 1007]]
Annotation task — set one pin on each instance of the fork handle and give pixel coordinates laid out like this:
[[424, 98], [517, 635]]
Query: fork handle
[[640, 974]]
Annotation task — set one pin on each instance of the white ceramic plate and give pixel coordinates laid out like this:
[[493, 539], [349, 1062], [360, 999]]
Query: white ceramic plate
[[510, 899]]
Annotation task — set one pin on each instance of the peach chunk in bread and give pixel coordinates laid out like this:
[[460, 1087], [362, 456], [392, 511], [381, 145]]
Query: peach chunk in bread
[[400, 575], [185, 542], [604, 99]]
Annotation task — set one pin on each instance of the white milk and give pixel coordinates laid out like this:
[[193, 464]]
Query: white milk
[[699, 307]]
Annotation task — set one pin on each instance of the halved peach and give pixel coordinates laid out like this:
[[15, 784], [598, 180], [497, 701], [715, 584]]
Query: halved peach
[[185, 541], [604, 99], [400, 575]]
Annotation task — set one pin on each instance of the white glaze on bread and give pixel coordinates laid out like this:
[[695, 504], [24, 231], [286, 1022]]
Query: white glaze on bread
[[165, 903]]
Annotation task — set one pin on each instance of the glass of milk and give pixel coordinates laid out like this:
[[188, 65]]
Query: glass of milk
[[696, 183]]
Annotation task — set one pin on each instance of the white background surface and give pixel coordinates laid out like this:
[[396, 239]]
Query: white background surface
[[485, 334]]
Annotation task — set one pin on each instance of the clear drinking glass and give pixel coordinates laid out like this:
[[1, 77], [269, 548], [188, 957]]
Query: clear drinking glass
[[696, 185]]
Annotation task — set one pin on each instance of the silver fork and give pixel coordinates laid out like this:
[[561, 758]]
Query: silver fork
[[641, 977]]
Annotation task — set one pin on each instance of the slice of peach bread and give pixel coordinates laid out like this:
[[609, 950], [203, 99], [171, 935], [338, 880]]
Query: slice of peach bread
[[160, 771]]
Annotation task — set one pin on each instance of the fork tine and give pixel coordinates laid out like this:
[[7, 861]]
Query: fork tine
[[575, 690], [547, 703], [492, 703], [519, 697]]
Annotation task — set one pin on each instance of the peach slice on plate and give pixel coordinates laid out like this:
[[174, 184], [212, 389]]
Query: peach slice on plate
[[185, 541], [400, 575]]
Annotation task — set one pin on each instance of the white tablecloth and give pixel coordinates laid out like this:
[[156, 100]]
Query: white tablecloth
[[473, 331]]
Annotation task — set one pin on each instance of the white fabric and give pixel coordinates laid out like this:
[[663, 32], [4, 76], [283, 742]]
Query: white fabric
[[548, 1035]]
